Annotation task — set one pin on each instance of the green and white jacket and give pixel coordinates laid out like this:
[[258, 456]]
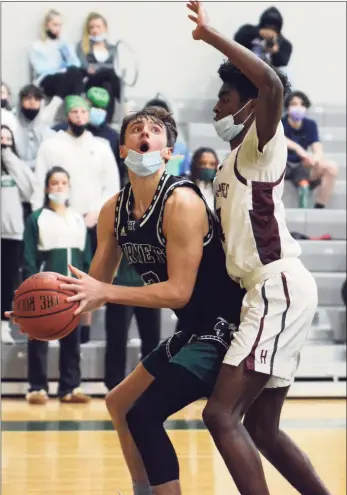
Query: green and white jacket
[[52, 241]]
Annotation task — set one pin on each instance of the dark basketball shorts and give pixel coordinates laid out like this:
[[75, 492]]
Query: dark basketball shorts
[[296, 172], [202, 355]]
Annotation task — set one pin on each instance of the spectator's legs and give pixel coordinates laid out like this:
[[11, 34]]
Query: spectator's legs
[[327, 171], [117, 321], [69, 363], [37, 365], [64, 84], [148, 324], [11, 251]]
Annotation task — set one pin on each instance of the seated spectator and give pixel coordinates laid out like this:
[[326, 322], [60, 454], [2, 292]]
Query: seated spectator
[[88, 160], [203, 171], [52, 234], [179, 164], [17, 183], [7, 117], [266, 39], [117, 323], [55, 64], [99, 99], [97, 57], [306, 160]]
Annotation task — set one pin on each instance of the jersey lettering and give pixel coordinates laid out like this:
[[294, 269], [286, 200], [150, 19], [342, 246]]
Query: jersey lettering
[[150, 278], [222, 191], [143, 253]]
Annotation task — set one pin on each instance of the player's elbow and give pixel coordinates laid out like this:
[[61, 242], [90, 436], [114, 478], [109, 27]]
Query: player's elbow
[[180, 297]]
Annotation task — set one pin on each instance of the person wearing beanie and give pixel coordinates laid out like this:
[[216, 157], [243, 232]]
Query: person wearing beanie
[[99, 99]]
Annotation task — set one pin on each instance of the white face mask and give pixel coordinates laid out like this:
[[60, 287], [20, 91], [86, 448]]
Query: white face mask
[[226, 129], [143, 164], [58, 198]]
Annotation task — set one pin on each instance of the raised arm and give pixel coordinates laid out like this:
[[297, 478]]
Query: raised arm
[[270, 97]]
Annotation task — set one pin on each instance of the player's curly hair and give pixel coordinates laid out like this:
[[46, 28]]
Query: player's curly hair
[[155, 114], [231, 75]]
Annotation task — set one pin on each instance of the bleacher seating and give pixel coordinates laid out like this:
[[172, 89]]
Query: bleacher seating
[[324, 355]]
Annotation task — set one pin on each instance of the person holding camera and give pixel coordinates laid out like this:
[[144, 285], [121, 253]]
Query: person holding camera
[[266, 39]]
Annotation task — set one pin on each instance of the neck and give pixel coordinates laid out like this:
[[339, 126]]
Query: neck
[[59, 209], [144, 188], [98, 44], [295, 123]]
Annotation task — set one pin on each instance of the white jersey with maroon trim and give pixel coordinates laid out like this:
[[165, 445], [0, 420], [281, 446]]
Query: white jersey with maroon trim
[[248, 189]]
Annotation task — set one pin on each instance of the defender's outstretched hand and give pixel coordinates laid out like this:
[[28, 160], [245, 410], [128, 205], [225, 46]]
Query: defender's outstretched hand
[[200, 19]]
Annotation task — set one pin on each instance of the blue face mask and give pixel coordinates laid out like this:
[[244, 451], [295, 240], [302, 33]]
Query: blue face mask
[[97, 116], [226, 127], [144, 164], [98, 38]]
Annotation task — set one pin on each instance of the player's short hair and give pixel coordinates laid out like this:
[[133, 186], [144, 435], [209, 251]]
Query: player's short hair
[[231, 75], [297, 94], [155, 114], [158, 102]]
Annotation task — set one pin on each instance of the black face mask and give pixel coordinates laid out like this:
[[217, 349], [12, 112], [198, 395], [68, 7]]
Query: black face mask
[[77, 129], [30, 113], [4, 103], [51, 35], [5, 146]]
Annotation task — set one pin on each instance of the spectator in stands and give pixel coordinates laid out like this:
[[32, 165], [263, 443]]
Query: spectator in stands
[[344, 292], [56, 67], [203, 171], [99, 99], [118, 319], [97, 57], [179, 163], [7, 117], [266, 39], [17, 183], [33, 125], [306, 160], [52, 234]]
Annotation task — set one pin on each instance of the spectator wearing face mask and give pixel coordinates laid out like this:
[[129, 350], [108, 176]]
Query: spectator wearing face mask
[[7, 117], [266, 40], [55, 235], [97, 56], [179, 163], [88, 160], [55, 64], [17, 183], [306, 160], [203, 171], [99, 99]]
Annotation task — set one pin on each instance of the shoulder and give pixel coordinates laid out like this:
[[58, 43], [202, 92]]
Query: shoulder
[[185, 201], [250, 142], [37, 45], [310, 123]]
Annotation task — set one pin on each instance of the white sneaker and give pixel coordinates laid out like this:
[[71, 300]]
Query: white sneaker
[[6, 337]]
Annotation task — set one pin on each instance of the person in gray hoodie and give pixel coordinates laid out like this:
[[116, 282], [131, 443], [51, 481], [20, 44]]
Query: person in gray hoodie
[[17, 185], [34, 121]]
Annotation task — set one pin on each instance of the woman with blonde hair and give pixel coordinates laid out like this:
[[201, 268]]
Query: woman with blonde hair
[[97, 56], [55, 65]]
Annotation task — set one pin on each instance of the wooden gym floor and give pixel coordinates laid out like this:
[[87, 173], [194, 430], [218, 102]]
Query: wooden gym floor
[[61, 449]]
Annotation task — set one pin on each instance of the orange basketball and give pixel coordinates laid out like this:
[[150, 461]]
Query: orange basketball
[[41, 309]]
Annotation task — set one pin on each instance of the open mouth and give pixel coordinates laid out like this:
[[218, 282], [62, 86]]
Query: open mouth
[[144, 147]]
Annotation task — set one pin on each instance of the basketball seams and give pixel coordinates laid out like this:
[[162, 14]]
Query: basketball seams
[[59, 291], [47, 314]]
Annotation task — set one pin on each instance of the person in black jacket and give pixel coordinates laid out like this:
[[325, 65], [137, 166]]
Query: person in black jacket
[[266, 39]]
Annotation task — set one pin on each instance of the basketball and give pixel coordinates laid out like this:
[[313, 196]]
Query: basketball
[[41, 309]]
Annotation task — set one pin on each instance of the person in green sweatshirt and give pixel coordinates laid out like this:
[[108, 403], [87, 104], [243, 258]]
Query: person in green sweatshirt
[[54, 236]]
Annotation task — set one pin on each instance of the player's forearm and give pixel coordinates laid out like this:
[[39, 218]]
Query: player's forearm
[[160, 295], [257, 71]]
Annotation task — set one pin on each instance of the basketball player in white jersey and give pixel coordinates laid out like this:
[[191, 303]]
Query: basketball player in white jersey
[[281, 297]]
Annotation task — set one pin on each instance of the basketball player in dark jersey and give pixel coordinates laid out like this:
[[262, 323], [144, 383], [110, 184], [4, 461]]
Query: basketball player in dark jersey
[[164, 228]]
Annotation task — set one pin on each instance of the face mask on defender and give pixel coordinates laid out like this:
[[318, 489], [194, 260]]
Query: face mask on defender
[[226, 128]]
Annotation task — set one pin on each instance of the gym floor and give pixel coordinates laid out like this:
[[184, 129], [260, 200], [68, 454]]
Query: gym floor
[[63, 449]]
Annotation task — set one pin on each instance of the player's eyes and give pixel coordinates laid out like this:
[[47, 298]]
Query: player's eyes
[[156, 130]]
